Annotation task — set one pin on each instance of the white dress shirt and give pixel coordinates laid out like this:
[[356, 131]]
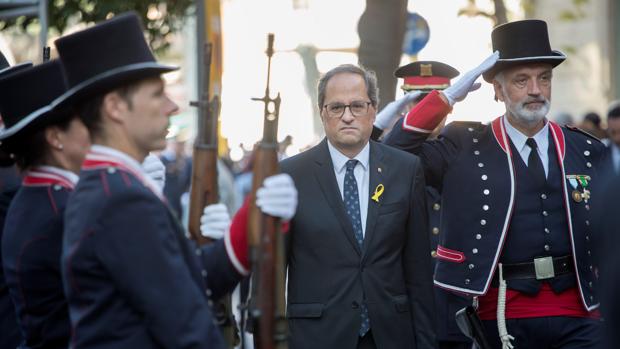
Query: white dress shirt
[[360, 172], [519, 139]]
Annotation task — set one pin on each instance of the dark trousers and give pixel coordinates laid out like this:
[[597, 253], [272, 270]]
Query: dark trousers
[[367, 342], [548, 333]]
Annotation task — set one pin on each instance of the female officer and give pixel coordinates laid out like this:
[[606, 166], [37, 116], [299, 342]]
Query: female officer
[[48, 147]]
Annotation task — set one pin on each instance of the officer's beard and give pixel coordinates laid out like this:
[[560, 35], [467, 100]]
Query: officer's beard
[[521, 112]]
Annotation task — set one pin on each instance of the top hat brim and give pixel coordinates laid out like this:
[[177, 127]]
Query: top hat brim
[[555, 59], [108, 81], [40, 117], [15, 68]]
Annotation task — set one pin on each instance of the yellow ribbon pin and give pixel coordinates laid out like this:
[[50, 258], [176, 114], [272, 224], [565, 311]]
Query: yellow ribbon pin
[[378, 191]]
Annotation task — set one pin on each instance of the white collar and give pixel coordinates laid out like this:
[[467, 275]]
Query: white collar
[[118, 155], [68, 175], [340, 160], [519, 139]]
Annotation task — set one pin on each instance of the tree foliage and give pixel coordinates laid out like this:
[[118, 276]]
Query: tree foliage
[[160, 18]]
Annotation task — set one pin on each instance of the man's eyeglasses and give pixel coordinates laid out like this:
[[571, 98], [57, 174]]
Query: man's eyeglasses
[[357, 109]]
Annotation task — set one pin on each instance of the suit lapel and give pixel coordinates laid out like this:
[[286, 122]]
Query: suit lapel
[[324, 173], [375, 177]]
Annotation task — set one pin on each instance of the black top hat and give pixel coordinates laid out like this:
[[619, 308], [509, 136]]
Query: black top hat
[[5, 67], [426, 76], [3, 62], [104, 57], [522, 42], [22, 106]]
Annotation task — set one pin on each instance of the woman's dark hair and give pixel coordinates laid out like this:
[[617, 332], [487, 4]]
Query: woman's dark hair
[[29, 149]]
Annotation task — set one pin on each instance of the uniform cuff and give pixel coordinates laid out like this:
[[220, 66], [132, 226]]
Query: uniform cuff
[[236, 240], [427, 114]]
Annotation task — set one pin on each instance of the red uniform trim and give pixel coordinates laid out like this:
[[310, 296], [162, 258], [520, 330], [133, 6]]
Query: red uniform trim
[[236, 240], [559, 137], [40, 178], [427, 114], [426, 80], [496, 126], [450, 255], [544, 303], [97, 161]]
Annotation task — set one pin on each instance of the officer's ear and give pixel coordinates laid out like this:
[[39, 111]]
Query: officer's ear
[[499, 92], [114, 106], [52, 137]]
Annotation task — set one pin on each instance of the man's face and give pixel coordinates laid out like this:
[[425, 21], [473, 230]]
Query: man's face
[[348, 133], [147, 116], [613, 128], [526, 91]]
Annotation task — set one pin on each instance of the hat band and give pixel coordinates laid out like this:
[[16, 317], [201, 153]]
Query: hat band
[[426, 80], [408, 87]]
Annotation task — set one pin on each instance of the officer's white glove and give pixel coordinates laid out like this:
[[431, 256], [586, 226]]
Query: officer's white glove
[[467, 83], [215, 221], [278, 196], [392, 111], [155, 169]]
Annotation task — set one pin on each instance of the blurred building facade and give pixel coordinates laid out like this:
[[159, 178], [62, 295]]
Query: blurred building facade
[[590, 78]]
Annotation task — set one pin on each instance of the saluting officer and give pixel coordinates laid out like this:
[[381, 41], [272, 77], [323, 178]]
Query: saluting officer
[[132, 278], [419, 79], [516, 199]]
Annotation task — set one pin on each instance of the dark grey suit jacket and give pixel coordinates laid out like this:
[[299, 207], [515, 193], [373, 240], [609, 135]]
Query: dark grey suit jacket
[[329, 274]]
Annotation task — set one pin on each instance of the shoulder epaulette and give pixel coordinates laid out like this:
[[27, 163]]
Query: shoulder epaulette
[[578, 130]]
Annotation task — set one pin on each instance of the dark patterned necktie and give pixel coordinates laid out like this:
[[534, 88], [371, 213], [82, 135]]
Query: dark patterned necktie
[[534, 163], [352, 205]]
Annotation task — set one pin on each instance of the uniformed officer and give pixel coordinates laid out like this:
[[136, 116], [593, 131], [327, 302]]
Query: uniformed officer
[[419, 79], [132, 278], [9, 331], [516, 226]]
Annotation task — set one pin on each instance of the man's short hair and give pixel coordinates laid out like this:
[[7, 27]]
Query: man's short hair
[[90, 109], [614, 111], [368, 75]]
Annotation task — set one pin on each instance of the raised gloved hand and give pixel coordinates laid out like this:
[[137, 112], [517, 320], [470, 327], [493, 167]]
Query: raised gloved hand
[[392, 111], [215, 221], [155, 169], [467, 83], [278, 196]]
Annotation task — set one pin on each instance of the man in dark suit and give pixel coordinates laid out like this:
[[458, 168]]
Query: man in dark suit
[[132, 278], [613, 131], [516, 193], [359, 268]]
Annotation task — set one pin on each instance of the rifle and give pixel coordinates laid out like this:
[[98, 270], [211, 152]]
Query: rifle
[[204, 187], [265, 241], [46, 53]]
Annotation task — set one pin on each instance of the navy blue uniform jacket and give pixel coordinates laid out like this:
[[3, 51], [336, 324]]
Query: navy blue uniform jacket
[[132, 277], [471, 164], [31, 247]]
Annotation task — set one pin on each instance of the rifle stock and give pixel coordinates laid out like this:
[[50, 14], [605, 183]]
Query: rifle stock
[[204, 185]]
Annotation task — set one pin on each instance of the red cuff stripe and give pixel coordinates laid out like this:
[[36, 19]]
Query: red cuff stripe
[[427, 114], [237, 240]]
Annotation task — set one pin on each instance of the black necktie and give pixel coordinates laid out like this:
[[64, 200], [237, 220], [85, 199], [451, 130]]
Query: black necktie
[[534, 164]]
